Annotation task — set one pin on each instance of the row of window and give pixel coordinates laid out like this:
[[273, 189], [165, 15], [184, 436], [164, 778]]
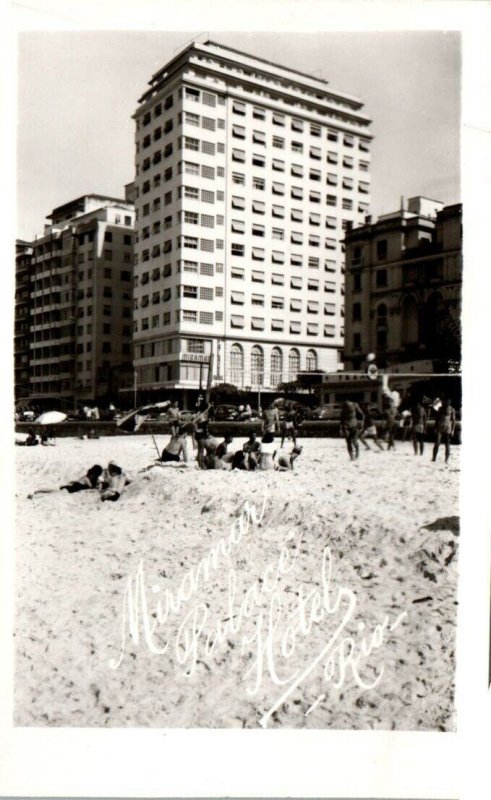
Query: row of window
[[279, 278], [259, 207], [280, 143], [236, 321], [277, 256]]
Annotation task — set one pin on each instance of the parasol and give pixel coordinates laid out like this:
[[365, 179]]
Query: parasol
[[50, 418]]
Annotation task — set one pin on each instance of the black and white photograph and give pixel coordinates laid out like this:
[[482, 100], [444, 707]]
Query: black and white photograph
[[237, 380]]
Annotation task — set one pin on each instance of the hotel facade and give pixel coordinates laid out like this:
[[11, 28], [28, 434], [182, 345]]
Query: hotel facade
[[247, 176], [404, 288], [79, 286]]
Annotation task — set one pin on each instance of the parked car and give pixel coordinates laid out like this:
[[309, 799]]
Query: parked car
[[226, 413], [331, 411]]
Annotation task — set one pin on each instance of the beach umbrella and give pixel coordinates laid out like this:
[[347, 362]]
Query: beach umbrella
[[50, 418]]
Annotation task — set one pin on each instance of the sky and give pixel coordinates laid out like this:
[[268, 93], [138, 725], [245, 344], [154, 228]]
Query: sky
[[78, 90]]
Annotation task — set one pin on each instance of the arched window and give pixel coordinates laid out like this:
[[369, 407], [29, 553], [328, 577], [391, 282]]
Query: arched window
[[311, 361], [236, 365], [409, 321], [276, 366], [257, 366], [293, 364]]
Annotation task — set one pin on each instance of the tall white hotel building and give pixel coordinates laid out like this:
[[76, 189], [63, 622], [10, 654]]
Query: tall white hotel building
[[247, 175]]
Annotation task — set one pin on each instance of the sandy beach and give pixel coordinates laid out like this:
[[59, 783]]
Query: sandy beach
[[319, 598]]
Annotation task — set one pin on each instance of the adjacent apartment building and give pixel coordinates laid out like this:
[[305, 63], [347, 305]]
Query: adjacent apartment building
[[404, 288], [79, 284], [23, 258], [248, 174]]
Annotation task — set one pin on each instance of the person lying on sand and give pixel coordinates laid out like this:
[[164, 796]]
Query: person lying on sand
[[283, 459], [113, 482], [176, 446], [90, 480]]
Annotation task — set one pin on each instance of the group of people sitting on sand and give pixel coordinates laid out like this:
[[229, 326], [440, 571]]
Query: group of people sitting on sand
[[263, 453]]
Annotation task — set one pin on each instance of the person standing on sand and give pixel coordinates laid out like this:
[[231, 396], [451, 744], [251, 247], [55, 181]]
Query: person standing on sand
[[445, 427], [369, 429], [173, 417], [418, 428], [349, 426], [271, 419], [390, 415], [289, 425]]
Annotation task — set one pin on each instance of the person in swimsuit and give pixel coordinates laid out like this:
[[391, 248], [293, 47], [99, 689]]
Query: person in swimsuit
[[284, 460], [289, 425], [223, 459], [176, 446], [271, 420], [173, 417], [113, 482], [350, 412], [369, 429], [419, 419], [88, 481], [266, 451], [251, 448], [390, 415], [445, 427]]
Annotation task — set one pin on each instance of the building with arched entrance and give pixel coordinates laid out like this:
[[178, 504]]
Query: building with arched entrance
[[404, 287]]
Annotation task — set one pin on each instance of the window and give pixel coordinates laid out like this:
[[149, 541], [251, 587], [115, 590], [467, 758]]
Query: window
[[189, 241], [257, 365], [237, 272], [208, 245], [312, 329], [329, 286], [207, 172], [238, 155], [296, 283], [191, 119], [314, 219], [258, 230], [331, 244], [381, 278], [297, 193], [257, 254], [189, 94], [347, 183], [332, 158], [278, 188], [258, 207], [191, 217], [278, 165], [364, 188], [297, 125], [190, 291], [209, 99], [239, 178], [382, 249], [297, 170], [347, 204], [348, 162], [278, 257], [348, 140], [279, 142], [237, 249], [189, 316], [278, 233], [332, 179], [297, 147], [258, 137], [315, 130], [313, 284], [208, 123], [277, 280], [313, 262], [278, 119], [189, 191], [356, 312], [236, 321], [258, 183], [296, 260], [295, 327], [296, 237], [238, 202], [278, 211], [207, 221], [238, 107], [257, 324], [238, 226], [314, 241], [332, 136], [296, 215], [257, 277], [258, 160], [206, 317], [314, 175], [236, 364], [315, 152]]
